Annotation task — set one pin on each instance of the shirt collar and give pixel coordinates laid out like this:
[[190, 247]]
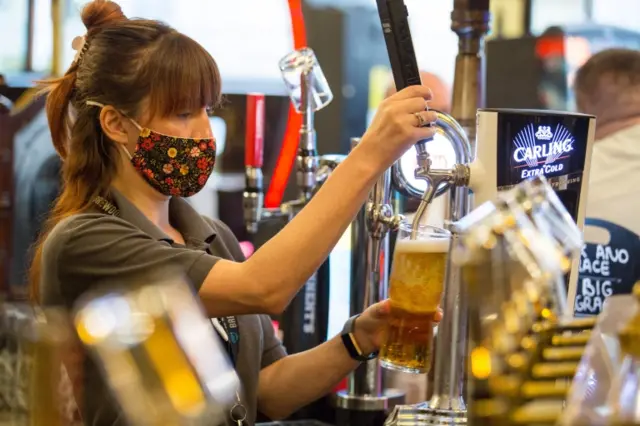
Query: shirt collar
[[181, 214]]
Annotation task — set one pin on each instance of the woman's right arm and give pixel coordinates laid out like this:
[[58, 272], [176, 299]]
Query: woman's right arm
[[269, 279]]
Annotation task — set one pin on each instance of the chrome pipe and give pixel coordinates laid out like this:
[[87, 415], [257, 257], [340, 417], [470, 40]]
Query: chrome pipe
[[448, 127], [307, 159], [370, 282]]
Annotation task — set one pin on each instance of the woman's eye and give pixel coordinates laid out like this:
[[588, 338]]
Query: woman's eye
[[184, 115]]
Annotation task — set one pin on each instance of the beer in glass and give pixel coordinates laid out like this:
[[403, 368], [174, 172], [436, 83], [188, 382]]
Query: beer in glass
[[415, 290]]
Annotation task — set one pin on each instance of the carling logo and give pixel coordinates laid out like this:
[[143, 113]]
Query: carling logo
[[540, 148], [544, 133]]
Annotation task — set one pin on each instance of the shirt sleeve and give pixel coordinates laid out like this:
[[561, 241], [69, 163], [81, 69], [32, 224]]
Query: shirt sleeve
[[272, 348], [98, 249]]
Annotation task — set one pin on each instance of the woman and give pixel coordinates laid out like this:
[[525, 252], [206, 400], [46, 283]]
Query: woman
[[120, 215]]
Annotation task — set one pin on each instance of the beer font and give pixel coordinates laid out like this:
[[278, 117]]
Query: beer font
[[40, 361], [494, 153]]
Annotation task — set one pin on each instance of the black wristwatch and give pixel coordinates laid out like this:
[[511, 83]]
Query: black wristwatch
[[349, 341]]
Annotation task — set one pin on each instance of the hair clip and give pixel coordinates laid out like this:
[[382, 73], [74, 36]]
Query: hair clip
[[79, 44]]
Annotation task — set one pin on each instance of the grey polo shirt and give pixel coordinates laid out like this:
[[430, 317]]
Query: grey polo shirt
[[90, 248]]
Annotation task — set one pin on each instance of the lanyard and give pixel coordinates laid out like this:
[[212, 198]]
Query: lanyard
[[230, 324]]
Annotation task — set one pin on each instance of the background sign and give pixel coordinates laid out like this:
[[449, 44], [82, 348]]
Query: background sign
[[554, 145], [607, 267]]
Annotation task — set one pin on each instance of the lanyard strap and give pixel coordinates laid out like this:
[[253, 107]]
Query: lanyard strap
[[230, 324]]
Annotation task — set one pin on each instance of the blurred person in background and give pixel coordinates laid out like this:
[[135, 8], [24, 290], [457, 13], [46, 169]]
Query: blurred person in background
[[441, 100], [130, 120], [608, 86]]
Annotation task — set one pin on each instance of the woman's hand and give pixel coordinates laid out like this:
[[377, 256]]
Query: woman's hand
[[370, 326], [396, 126]]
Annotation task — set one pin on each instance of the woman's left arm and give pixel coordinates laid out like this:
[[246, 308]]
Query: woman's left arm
[[297, 380]]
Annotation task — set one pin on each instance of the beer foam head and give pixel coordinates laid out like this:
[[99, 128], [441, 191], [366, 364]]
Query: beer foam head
[[431, 245]]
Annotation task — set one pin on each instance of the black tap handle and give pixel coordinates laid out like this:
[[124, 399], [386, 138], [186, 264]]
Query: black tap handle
[[394, 17], [397, 34]]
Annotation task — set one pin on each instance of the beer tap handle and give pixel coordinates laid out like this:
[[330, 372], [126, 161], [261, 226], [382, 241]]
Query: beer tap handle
[[394, 17], [253, 157], [254, 135]]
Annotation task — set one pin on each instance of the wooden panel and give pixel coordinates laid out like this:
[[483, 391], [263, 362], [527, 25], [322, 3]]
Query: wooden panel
[[6, 196]]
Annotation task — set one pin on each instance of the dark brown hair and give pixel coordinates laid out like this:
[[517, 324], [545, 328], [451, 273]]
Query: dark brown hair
[[608, 84], [127, 63]]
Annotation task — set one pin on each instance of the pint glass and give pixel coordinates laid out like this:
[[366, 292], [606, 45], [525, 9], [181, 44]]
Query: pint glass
[[415, 290]]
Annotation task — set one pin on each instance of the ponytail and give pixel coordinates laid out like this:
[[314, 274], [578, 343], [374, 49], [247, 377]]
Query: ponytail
[[59, 94]]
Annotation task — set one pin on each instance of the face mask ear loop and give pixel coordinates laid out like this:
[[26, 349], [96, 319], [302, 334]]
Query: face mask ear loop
[[98, 104], [99, 128], [124, 148], [126, 151]]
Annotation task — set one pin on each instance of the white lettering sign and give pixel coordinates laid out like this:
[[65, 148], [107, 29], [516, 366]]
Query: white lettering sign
[[596, 282], [541, 171], [543, 151], [539, 150], [310, 297]]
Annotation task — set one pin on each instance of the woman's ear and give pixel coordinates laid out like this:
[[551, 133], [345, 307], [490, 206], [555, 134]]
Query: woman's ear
[[114, 126]]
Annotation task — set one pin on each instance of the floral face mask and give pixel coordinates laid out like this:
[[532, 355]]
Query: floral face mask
[[171, 165]]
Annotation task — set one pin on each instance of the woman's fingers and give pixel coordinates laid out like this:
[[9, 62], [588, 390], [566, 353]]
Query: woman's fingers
[[428, 117], [423, 92], [400, 122], [438, 316]]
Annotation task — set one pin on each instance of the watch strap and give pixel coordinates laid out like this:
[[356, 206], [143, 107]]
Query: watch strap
[[350, 343]]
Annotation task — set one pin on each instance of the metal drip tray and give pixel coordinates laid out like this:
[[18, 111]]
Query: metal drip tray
[[422, 415]]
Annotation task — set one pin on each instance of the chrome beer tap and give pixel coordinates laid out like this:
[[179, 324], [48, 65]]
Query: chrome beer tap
[[370, 236], [447, 401], [309, 93], [482, 170]]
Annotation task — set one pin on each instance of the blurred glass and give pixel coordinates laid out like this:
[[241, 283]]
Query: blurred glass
[[298, 65], [158, 338], [36, 366]]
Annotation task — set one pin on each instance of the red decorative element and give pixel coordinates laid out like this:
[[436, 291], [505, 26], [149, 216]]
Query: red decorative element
[[247, 248], [254, 135], [289, 145], [550, 46], [341, 386]]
